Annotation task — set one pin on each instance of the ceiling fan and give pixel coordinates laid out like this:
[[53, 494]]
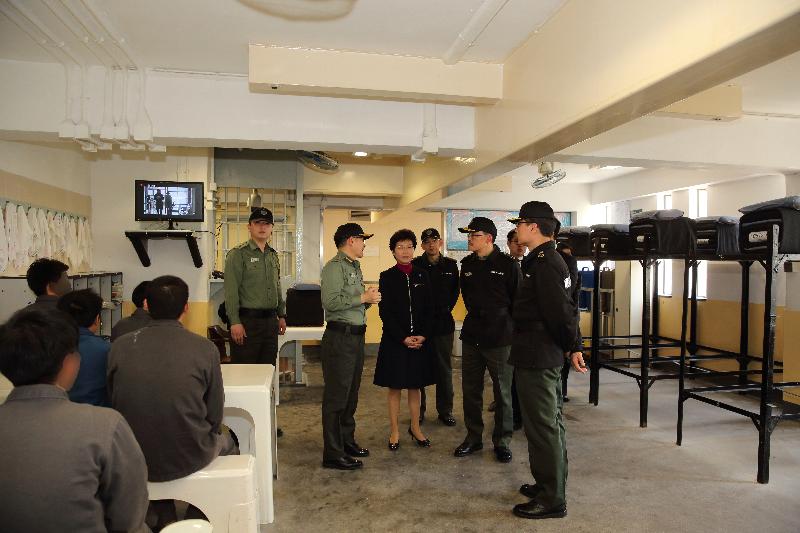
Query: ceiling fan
[[547, 176]]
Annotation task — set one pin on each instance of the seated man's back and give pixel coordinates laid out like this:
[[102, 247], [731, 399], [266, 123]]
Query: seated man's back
[[64, 466], [167, 383], [138, 319]]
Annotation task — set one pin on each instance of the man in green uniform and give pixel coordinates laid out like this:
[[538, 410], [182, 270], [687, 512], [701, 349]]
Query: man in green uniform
[[545, 331], [345, 302], [253, 296]]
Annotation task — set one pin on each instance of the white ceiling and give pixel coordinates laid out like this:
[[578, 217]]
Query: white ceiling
[[212, 35], [773, 88]]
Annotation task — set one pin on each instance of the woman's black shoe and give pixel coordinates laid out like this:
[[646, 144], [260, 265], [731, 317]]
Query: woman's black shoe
[[394, 445], [421, 443]]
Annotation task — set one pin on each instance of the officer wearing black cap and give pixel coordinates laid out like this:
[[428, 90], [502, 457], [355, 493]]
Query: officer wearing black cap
[[253, 296], [545, 331], [345, 301], [489, 281], [443, 273]]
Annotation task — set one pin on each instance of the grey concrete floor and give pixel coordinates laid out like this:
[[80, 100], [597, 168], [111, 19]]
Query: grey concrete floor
[[622, 477]]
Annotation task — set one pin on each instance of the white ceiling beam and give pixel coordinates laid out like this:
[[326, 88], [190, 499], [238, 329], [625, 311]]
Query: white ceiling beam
[[482, 17], [362, 75]]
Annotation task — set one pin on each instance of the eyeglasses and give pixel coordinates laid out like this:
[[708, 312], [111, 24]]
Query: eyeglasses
[[475, 235]]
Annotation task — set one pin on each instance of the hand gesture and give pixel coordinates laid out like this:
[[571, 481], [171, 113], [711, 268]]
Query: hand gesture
[[371, 296]]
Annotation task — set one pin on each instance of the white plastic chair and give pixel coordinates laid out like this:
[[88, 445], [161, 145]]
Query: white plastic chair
[[225, 491], [189, 526]]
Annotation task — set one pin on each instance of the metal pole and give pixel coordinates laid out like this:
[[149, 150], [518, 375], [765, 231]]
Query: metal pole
[[682, 369], [765, 413], [645, 364], [594, 376], [744, 322]]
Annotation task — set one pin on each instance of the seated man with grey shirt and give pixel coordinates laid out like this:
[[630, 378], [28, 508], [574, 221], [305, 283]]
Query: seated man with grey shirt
[[166, 382], [65, 466], [138, 319]]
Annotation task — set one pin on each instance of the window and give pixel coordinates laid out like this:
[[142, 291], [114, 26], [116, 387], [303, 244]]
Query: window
[[698, 207], [664, 201]]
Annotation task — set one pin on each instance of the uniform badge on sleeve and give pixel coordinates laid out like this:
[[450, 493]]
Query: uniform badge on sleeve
[[567, 283], [254, 259]]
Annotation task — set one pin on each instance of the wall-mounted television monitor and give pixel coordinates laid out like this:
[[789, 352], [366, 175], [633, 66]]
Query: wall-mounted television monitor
[[173, 201]]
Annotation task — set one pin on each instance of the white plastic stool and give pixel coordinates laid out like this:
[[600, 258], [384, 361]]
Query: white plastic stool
[[189, 526], [225, 491]]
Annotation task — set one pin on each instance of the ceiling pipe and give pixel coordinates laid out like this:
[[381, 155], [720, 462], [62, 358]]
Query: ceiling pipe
[[143, 128], [59, 51], [110, 62], [477, 24]]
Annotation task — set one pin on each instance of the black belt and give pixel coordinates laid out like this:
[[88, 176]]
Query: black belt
[[257, 313], [344, 327]]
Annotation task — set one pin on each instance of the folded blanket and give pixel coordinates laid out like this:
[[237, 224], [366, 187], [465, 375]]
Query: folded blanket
[[615, 228], [727, 220], [790, 202], [658, 214], [575, 230]]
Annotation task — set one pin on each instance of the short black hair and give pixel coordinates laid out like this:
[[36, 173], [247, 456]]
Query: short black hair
[[402, 235], [42, 272], [138, 294], [34, 343], [547, 226], [511, 234], [83, 306], [166, 297]]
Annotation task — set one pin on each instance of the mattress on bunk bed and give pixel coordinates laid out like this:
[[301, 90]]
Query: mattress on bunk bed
[[717, 235], [662, 232], [578, 238], [614, 239], [757, 222]]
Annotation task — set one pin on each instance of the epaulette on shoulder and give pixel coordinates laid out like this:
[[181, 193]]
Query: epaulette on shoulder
[[469, 258]]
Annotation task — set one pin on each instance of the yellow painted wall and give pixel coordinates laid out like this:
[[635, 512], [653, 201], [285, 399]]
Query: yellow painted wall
[[377, 256], [718, 327]]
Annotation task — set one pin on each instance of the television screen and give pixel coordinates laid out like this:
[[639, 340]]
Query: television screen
[[169, 200]]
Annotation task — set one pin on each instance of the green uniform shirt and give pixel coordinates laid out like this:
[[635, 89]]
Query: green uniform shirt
[[252, 280], [342, 287]]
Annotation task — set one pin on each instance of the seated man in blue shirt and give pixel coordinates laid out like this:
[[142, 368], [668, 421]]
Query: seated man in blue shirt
[[84, 307]]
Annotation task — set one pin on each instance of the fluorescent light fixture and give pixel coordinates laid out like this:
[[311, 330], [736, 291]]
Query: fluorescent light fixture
[[465, 160], [360, 154], [610, 167]]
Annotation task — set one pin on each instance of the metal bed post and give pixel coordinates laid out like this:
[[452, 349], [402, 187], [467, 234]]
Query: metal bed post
[[594, 376], [765, 420], [644, 379], [744, 323], [688, 263], [656, 304]]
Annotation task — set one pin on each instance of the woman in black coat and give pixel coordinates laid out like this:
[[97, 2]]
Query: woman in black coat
[[405, 357]]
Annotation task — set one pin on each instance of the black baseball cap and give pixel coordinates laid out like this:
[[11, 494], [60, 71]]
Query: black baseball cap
[[481, 224], [430, 233], [533, 210], [261, 213], [351, 229]]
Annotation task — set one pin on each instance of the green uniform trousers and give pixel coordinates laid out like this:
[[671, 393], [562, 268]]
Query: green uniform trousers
[[443, 344], [342, 357], [539, 391], [475, 360]]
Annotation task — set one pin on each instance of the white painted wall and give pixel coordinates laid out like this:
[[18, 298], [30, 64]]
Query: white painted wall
[[112, 182], [61, 165], [355, 179]]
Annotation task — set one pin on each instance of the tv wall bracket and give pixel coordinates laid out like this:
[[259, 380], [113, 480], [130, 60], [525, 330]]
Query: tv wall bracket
[[139, 239]]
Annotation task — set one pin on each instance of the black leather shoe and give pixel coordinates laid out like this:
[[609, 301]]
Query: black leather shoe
[[447, 420], [354, 450], [342, 463], [565, 399], [535, 510], [503, 454], [530, 491], [467, 448]]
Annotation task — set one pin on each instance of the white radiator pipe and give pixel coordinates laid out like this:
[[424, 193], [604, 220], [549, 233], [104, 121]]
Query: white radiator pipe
[[480, 20]]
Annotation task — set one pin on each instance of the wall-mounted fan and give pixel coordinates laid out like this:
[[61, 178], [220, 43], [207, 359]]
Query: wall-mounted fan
[[319, 161], [547, 176]]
